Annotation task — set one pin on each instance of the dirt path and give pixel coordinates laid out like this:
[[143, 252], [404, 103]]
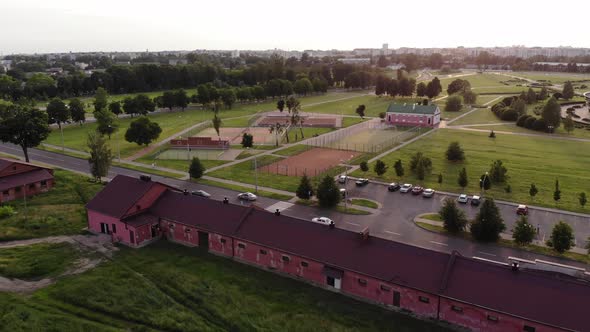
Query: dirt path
[[86, 244]]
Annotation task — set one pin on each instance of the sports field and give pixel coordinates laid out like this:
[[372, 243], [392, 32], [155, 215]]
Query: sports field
[[311, 162]]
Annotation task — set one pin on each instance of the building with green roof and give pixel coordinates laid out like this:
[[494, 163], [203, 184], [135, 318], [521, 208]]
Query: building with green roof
[[413, 115]]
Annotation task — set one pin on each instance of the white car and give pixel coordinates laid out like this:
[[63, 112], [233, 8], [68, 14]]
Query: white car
[[323, 220], [201, 193], [406, 187], [428, 193], [463, 199], [342, 179], [247, 196]]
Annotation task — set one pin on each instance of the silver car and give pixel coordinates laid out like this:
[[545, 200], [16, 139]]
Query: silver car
[[201, 193], [406, 187], [247, 196]]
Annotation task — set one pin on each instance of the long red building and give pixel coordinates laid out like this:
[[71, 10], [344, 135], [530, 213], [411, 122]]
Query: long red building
[[476, 294]]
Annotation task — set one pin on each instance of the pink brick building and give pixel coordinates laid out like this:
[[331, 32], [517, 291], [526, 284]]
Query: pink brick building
[[19, 179], [413, 115], [479, 295]]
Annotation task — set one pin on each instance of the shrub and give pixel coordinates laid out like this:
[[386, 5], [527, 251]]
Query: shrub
[[528, 123], [509, 115], [6, 211], [540, 125], [521, 120]]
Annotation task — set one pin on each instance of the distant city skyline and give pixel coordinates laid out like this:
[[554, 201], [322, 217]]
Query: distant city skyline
[[61, 26]]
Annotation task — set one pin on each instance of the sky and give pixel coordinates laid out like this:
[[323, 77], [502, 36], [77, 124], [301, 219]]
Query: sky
[[42, 26]]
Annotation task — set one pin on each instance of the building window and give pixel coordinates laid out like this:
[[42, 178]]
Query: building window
[[262, 252], [17, 189], [424, 299], [528, 328], [14, 168], [456, 308], [6, 193], [222, 240], [43, 184], [114, 228], [32, 186], [492, 318], [285, 258], [385, 288], [304, 264], [241, 246], [362, 282]]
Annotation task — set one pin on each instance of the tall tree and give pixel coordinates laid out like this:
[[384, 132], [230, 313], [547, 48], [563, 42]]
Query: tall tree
[[217, 124], [105, 120], [568, 90], [303, 86], [488, 223], [463, 180], [295, 119], [168, 101], [523, 232], [543, 93], [278, 129], [77, 110], [562, 237], [421, 89], [364, 166], [281, 105], [130, 106], [531, 96], [469, 97], [142, 131], [228, 96], [519, 106], [380, 167], [533, 191], [582, 199], [203, 95], [196, 168], [305, 189], [399, 168], [455, 152], [498, 172], [145, 104], [552, 113], [433, 88], [328, 193], [458, 86], [100, 99], [568, 124], [454, 104], [181, 99], [454, 220], [24, 126], [420, 165], [57, 112], [100, 158], [360, 110], [557, 192], [247, 140], [115, 108]]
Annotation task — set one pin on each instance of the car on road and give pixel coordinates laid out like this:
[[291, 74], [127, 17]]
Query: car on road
[[362, 182], [406, 187], [393, 186], [342, 179], [463, 199], [417, 190], [323, 220], [429, 192], [475, 200], [201, 193], [522, 210], [247, 196]]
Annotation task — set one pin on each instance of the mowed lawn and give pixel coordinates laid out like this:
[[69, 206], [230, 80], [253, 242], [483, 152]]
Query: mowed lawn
[[529, 160], [167, 287], [555, 78], [59, 211], [374, 105]]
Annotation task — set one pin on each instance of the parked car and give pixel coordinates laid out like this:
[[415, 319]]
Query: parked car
[[201, 193], [463, 199], [247, 196], [417, 190], [406, 187], [393, 186], [343, 192], [475, 200], [342, 179], [522, 210], [362, 182], [428, 193], [323, 220]]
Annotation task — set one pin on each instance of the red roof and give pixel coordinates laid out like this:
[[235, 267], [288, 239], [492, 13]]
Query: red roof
[[21, 179], [120, 195], [4, 163], [535, 295]]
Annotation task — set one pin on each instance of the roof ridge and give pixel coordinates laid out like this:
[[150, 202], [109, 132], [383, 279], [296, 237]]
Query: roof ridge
[[448, 269]]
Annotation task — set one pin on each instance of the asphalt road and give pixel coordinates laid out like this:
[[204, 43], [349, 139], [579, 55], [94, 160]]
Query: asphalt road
[[394, 220]]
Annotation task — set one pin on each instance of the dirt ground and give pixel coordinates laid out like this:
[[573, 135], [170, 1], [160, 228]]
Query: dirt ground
[[312, 162]]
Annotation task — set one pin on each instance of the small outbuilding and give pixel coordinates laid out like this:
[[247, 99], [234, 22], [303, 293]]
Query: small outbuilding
[[413, 115], [19, 179]]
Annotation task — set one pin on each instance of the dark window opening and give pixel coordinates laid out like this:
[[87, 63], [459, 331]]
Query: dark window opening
[[6, 193], [362, 282], [456, 308], [14, 168], [222, 240], [424, 299], [528, 328], [114, 228], [330, 281], [385, 288], [396, 299], [263, 252], [43, 183], [241, 245], [492, 318], [286, 258], [304, 264], [17, 189], [32, 186]]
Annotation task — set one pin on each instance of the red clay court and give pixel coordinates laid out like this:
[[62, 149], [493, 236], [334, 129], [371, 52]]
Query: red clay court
[[312, 162]]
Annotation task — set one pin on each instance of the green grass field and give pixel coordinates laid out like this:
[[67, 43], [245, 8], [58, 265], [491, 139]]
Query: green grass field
[[374, 105], [36, 261], [555, 78], [165, 287], [528, 160], [57, 212], [348, 121], [295, 133], [479, 116], [576, 133]]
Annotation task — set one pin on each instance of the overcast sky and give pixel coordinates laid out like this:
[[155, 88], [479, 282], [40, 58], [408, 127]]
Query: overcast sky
[[41, 26]]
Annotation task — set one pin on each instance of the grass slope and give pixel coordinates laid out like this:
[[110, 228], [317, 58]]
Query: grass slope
[[36, 261]]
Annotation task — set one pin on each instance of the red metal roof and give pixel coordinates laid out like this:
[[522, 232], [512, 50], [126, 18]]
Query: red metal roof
[[4, 163], [21, 179], [120, 195]]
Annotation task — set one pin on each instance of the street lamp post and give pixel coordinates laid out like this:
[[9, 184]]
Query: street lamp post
[[482, 183]]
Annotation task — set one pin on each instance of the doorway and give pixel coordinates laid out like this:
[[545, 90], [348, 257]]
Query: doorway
[[132, 237], [203, 240], [104, 228], [396, 299]]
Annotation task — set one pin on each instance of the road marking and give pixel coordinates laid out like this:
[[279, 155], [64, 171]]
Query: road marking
[[440, 244], [353, 223], [394, 233], [486, 253]]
